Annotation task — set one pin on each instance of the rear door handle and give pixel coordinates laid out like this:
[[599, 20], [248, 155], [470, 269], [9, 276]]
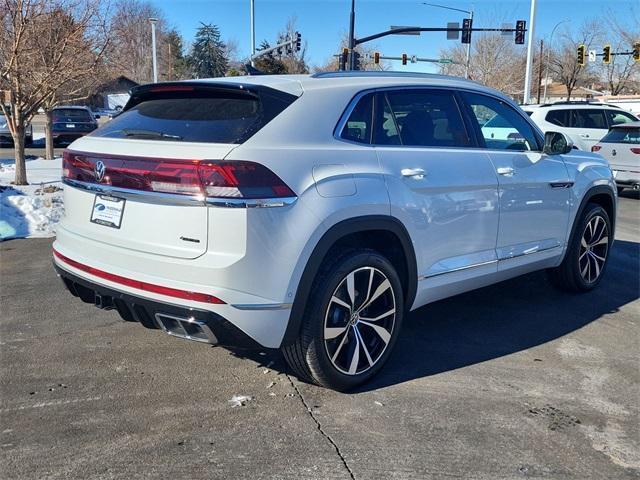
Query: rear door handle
[[417, 173], [505, 171], [584, 135]]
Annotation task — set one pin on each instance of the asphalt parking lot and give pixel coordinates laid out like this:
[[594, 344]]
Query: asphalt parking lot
[[516, 380]]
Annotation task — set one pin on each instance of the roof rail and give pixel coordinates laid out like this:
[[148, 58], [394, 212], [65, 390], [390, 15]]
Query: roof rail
[[577, 102], [380, 73]]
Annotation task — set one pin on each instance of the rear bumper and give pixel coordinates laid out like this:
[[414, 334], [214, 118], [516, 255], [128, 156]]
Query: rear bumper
[[185, 322]]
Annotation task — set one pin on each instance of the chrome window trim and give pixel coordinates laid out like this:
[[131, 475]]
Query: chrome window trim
[[337, 132], [182, 200]]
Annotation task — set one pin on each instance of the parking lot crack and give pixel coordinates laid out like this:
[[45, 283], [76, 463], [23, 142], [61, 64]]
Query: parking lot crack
[[320, 429]]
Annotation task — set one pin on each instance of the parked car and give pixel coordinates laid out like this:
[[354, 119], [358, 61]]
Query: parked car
[[71, 123], [621, 147], [5, 134], [241, 212], [585, 123]]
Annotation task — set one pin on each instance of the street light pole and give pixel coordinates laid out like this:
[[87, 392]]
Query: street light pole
[[527, 75], [253, 31], [153, 48], [546, 75], [468, 12]]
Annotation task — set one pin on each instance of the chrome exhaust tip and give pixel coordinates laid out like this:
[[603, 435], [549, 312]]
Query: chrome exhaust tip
[[636, 186], [187, 328]]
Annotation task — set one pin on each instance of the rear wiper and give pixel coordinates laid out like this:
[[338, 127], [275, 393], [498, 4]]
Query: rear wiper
[[136, 132]]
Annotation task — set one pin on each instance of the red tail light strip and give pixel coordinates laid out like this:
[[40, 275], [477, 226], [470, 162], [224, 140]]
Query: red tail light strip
[[147, 287], [237, 179]]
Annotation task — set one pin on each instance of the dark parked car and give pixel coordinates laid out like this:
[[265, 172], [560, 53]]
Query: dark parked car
[[5, 134], [70, 123]]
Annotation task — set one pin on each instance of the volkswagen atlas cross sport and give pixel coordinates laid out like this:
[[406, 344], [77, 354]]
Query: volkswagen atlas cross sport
[[311, 213]]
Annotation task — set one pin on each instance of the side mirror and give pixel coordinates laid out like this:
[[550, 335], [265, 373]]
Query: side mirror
[[556, 143]]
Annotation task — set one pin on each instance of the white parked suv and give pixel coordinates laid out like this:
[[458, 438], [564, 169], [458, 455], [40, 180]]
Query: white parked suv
[[585, 123], [312, 213]]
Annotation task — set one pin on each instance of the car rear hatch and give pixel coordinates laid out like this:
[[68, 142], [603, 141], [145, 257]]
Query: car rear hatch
[[621, 147], [144, 180]]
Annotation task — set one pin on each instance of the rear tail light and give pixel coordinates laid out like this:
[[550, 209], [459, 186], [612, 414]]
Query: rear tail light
[[636, 151], [205, 178], [595, 148]]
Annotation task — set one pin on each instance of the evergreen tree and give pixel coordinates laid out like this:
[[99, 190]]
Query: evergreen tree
[[208, 57]]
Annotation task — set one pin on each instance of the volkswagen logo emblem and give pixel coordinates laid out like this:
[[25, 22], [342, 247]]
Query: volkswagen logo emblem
[[99, 170]]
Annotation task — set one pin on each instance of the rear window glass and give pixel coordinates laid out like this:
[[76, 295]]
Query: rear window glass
[[203, 117], [623, 135], [71, 115]]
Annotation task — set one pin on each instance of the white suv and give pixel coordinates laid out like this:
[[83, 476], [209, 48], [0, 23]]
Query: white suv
[[311, 213], [585, 123]]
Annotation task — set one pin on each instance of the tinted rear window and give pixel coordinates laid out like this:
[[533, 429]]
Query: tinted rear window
[[623, 135], [196, 117], [71, 115]]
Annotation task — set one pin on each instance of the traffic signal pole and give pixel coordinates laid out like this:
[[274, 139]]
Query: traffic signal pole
[[528, 71], [352, 39]]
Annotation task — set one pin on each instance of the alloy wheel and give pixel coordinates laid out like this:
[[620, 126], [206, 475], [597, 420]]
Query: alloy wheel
[[359, 321], [594, 248]]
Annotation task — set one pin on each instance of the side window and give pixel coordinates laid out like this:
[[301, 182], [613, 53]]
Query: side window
[[590, 118], [359, 125], [502, 127], [428, 118], [616, 117], [558, 117]]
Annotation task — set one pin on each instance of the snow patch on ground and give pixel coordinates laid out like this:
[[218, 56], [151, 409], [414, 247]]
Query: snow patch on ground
[[31, 210]]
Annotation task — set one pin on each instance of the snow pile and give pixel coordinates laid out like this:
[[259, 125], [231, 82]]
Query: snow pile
[[31, 210]]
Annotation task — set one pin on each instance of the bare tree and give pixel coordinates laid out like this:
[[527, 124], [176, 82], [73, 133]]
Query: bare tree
[[495, 61], [47, 48], [564, 65], [366, 58], [130, 51], [294, 61], [621, 36]]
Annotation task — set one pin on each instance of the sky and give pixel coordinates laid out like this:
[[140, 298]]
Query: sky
[[323, 22]]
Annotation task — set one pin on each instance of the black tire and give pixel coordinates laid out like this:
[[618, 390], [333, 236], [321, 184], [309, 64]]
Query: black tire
[[581, 271], [309, 355]]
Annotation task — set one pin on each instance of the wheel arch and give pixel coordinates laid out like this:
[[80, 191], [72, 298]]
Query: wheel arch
[[357, 232], [602, 195]]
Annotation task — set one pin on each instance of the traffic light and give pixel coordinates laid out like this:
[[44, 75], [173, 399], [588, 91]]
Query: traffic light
[[356, 60], [606, 54], [636, 52], [520, 29], [298, 41], [404, 58], [344, 56], [466, 30], [582, 59], [376, 58]]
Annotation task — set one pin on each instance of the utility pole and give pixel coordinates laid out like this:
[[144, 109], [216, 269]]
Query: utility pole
[[153, 48], [527, 77], [352, 42], [540, 69], [252, 27]]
